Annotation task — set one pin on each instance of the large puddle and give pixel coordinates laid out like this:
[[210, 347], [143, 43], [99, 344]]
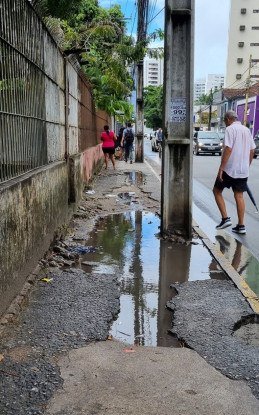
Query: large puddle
[[242, 260], [127, 246]]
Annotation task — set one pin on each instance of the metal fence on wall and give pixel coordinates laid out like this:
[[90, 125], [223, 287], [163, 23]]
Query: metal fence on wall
[[22, 124], [34, 130]]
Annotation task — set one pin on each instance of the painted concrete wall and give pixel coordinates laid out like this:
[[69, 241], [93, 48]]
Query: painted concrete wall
[[32, 207]]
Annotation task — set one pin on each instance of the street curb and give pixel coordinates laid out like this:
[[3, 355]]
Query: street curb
[[237, 279]]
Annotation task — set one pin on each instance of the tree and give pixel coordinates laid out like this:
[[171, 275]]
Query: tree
[[57, 8], [153, 106], [96, 36], [204, 100]]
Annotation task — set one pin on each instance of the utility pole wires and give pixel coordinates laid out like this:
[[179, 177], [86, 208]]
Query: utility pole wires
[[248, 83], [143, 8]]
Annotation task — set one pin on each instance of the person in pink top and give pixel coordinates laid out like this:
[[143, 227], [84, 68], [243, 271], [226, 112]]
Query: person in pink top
[[108, 138]]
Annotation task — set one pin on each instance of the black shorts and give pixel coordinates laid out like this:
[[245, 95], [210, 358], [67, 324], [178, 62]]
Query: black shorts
[[238, 185], [109, 150]]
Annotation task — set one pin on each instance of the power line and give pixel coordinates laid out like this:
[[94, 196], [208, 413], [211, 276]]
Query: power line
[[134, 20], [156, 15]]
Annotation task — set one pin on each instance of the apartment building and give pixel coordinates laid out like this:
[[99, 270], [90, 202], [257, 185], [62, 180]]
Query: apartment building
[[205, 85], [153, 71], [243, 41], [214, 81]]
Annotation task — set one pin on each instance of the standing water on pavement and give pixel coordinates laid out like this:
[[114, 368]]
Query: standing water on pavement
[[128, 245]]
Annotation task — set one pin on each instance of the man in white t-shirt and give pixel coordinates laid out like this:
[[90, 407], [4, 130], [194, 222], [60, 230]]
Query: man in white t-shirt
[[237, 155]]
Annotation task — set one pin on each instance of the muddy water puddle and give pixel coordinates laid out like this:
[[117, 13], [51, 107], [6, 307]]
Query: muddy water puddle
[[127, 246], [135, 178]]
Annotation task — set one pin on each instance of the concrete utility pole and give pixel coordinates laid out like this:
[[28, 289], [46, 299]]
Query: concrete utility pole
[[178, 117], [141, 37]]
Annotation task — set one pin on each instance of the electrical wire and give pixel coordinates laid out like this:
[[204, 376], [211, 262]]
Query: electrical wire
[[156, 15], [134, 20], [152, 9]]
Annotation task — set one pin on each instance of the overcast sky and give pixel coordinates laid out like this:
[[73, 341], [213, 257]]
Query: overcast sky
[[211, 30]]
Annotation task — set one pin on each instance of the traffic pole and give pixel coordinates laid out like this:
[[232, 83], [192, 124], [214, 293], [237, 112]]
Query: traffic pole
[[178, 118]]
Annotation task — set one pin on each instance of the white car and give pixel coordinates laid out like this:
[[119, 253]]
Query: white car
[[207, 142]]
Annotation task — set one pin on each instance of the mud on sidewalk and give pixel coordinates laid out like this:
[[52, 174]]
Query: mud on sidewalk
[[49, 361], [68, 307]]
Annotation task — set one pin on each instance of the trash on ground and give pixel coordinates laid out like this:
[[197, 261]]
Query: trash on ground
[[81, 249], [90, 192], [129, 350], [125, 334], [46, 279]]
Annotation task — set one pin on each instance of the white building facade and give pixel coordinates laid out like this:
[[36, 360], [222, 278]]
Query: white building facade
[[214, 81], [205, 85], [243, 41], [199, 89], [153, 71]]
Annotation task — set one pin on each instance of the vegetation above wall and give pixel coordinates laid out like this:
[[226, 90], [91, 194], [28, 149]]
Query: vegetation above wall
[[98, 38]]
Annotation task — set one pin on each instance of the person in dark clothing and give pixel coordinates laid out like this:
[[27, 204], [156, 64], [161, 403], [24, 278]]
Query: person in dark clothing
[[118, 147], [127, 142]]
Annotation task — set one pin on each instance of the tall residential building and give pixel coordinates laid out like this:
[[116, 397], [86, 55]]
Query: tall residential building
[[205, 85], [153, 71], [199, 88], [243, 41], [214, 81]]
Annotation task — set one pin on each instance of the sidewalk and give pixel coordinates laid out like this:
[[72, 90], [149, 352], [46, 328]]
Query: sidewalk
[[50, 362]]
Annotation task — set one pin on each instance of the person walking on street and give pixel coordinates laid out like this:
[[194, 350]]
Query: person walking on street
[[237, 155], [118, 143], [159, 136], [127, 142], [109, 139], [159, 139]]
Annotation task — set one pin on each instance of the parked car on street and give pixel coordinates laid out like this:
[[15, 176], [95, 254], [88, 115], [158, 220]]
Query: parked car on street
[[207, 142], [221, 136]]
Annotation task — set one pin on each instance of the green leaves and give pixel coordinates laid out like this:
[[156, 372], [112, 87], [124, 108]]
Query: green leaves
[[153, 106], [97, 37]]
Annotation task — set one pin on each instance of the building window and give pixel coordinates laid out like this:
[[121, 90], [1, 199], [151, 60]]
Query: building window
[[255, 27], [238, 76], [254, 44], [242, 28], [256, 11], [243, 11], [239, 60], [241, 44]]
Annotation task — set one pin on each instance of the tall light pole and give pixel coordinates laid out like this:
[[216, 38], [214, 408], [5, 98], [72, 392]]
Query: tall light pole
[[178, 118]]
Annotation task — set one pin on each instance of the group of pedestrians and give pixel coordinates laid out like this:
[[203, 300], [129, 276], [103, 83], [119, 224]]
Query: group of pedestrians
[[124, 141], [237, 155]]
